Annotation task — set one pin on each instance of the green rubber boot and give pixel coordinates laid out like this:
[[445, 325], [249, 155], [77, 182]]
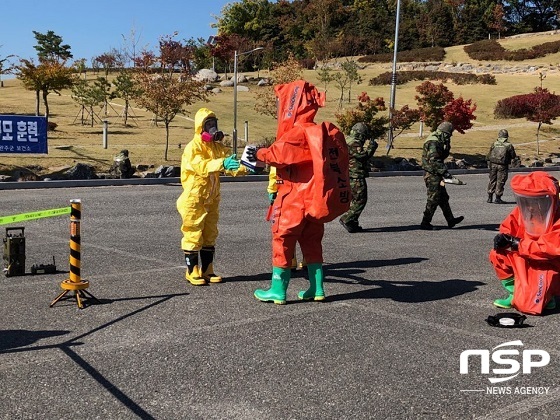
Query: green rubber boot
[[315, 290], [506, 303], [278, 286]]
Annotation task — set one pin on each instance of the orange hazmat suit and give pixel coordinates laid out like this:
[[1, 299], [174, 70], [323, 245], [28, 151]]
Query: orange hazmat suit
[[535, 263]]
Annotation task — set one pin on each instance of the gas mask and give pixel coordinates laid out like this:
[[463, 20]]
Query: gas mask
[[537, 213], [210, 131]]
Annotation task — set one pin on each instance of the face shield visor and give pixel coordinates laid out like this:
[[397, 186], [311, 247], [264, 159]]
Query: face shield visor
[[536, 212]]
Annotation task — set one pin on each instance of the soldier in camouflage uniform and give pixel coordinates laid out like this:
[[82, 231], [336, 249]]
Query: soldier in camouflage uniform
[[499, 157], [435, 151], [359, 155], [122, 168]]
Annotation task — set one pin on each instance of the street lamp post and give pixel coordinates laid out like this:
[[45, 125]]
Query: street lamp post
[[394, 78], [234, 143]]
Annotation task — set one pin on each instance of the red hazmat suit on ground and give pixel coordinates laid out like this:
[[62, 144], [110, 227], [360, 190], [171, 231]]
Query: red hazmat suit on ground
[[526, 254], [290, 154]]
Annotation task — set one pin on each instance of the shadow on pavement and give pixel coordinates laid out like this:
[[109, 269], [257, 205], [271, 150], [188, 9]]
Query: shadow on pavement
[[10, 339], [411, 291], [407, 228], [346, 270], [351, 272]]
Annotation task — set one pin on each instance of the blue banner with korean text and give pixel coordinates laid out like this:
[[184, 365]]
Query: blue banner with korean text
[[23, 134]]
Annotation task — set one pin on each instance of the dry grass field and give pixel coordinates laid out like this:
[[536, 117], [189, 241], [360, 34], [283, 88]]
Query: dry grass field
[[73, 142]]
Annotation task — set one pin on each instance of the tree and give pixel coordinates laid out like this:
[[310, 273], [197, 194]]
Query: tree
[[131, 46], [44, 78], [202, 57], [166, 83], [322, 17], [325, 76], [496, 20], [30, 76], [103, 86], [286, 72], [366, 111], [125, 89], [431, 101], [50, 48], [80, 66], [351, 69], [88, 96], [436, 104], [5, 67], [109, 61], [341, 80], [79, 94], [221, 50], [51, 74], [403, 119], [460, 113], [543, 108]]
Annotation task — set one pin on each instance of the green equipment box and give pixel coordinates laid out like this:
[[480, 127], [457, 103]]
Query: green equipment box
[[14, 252]]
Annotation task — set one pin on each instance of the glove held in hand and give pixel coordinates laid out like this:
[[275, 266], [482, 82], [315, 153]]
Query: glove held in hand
[[251, 153], [504, 241], [231, 163], [272, 197]]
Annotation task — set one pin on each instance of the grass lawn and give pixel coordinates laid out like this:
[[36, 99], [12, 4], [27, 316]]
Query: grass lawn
[[73, 142]]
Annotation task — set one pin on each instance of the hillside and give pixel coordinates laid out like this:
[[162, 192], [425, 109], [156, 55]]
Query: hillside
[[72, 142]]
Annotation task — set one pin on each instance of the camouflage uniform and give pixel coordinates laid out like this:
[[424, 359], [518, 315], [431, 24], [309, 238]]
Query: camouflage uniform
[[435, 150], [122, 168], [359, 155], [499, 158]]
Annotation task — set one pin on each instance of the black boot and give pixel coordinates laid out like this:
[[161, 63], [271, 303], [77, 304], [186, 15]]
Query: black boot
[[207, 263], [455, 221], [498, 200], [489, 198], [193, 274], [351, 227], [426, 223]]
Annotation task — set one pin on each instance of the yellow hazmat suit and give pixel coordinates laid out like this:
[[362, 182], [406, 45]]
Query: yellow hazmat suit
[[201, 165]]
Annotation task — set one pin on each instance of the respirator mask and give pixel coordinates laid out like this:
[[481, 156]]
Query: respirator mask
[[210, 131]]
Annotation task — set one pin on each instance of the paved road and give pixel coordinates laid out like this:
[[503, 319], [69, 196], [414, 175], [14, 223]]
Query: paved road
[[403, 304]]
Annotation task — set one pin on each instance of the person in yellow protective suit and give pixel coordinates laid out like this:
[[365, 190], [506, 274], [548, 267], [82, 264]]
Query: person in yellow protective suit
[[204, 158], [272, 190]]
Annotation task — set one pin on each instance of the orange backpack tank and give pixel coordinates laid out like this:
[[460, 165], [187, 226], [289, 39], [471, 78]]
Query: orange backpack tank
[[329, 189]]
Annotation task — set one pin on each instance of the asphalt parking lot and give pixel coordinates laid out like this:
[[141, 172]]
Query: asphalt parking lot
[[402, 305]]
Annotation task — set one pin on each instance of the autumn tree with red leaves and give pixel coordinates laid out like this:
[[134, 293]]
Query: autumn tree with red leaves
[[366, 111], [403, 119], [460, 113], [543, 108], [436, 104]]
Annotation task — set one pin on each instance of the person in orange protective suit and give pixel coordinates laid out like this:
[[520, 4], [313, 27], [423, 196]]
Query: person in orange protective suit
[[526, 254], [272, 190], [298, 103], [203, 160]]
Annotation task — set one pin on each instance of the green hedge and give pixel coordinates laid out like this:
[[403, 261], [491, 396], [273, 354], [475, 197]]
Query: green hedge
[[491, 50], [409, 76], [421, 55]]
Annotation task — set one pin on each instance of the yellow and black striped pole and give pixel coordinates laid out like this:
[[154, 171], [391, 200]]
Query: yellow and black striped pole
[[75, 282]]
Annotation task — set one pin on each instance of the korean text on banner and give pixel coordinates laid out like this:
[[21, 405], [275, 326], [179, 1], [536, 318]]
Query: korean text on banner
[[23, 134]]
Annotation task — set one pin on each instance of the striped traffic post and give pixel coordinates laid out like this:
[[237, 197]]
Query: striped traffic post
[[75, 283]]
